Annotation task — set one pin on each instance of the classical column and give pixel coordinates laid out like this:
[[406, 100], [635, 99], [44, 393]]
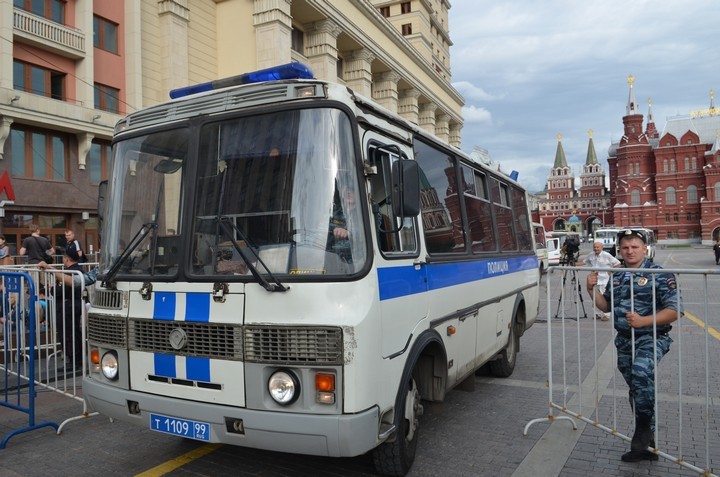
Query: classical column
[[455, 137], [6, 45], [442, 127], [85, 71], [273, 29], [408, 106], [358, 74], [384, 89], [321, 48], [174, 16], [427, 117]]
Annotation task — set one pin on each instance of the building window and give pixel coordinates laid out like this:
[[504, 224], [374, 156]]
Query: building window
[[670, 196], [34, 79], [407, 29], [665, 166], [99, 161], [51, 9], [297, 42], [106, 98], [105, 34], [38, 153], [693, 163], [717, 192], [385, 11], [405, 7], [687, 163], [692, 196], [672, 165], [339, 67], [635, 197]]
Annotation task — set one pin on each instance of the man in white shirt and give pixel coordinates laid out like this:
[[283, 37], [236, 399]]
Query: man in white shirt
[[601, 259]]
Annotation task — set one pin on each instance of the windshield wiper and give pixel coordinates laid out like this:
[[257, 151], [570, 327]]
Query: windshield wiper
[[228, 226], [136, 240]]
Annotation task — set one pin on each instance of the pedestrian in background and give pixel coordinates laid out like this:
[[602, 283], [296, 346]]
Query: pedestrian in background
[[73, 243], [38, 248], [5, 258], [716, 248], [632, 295], [596, 259]]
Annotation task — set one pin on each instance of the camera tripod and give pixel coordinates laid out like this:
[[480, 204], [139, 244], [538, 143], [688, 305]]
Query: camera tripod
[[570, 261]]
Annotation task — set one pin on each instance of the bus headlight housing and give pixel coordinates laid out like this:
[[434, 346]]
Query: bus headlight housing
[[284, 387], [109, 365]]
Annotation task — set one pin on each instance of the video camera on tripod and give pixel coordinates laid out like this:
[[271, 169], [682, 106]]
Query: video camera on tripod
[[570, 251]]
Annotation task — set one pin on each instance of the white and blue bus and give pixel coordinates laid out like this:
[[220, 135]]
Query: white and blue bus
[[286, 265]]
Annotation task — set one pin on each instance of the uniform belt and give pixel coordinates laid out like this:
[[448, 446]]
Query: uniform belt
[[627, 335]]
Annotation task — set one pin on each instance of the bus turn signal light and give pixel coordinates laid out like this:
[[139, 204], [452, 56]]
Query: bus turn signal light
[[325, 382]]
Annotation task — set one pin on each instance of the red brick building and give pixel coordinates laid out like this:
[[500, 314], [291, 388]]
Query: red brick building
[[668, 182], [583, 210]]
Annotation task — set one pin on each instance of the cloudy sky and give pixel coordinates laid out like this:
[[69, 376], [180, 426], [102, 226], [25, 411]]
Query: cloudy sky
[[530, 69]]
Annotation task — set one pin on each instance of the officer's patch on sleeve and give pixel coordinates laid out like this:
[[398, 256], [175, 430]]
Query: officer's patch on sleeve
[[671, 283]]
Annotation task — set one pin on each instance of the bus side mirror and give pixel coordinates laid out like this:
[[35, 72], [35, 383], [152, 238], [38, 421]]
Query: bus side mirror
[[405, 188]]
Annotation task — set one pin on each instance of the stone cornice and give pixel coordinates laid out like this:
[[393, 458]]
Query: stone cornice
[[331, 10]]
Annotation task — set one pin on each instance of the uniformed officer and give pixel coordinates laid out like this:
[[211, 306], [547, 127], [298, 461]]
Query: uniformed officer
[[632, 305]]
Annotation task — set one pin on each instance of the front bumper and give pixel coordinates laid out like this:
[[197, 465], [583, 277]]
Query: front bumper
[[344, 435]]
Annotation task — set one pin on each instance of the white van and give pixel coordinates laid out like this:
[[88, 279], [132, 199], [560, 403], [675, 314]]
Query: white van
[[540, 246], [553, 250], [608, 235]]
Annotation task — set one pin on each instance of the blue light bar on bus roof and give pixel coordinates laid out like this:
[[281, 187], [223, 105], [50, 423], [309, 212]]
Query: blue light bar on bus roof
[[294, 70]]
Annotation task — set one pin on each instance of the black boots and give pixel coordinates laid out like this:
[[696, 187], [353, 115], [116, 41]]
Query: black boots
[[641, 440]]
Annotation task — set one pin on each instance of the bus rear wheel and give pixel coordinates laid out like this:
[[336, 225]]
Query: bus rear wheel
[[396, 457], [504, 365]]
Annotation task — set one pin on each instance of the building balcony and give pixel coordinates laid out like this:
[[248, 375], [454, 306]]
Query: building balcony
[[48, 35]]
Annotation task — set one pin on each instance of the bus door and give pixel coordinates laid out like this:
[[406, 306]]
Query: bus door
[[401, 275]]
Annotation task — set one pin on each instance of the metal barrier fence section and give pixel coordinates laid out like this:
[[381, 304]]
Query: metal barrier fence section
[[592, 355], [18, 349], [43, 343]]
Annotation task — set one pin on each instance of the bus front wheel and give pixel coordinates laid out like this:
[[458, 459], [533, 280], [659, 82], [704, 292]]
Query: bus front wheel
[[396, 456]]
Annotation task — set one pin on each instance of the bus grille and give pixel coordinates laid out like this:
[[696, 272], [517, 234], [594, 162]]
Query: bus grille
[[293, 345], [207, 340], [106, 330], [108, 299]]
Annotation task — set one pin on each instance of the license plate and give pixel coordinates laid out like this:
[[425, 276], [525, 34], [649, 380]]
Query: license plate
[[180, 427]]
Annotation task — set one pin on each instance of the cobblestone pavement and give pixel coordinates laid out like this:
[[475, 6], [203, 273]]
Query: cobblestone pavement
[[472, 433]]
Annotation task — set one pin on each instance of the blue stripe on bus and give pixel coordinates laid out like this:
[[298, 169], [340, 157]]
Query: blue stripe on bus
[[165, 365], [198, 369], [197, 307], [164, 306], [395, 282]]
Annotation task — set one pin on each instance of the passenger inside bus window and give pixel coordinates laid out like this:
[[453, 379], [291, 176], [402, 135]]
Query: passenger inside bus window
[[344, 212]]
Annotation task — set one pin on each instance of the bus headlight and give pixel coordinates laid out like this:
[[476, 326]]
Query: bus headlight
[[284, 387], [109, 365]]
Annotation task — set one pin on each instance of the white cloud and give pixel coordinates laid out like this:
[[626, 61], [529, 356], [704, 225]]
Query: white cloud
[[529, 70], [473, 114], [473, 93]]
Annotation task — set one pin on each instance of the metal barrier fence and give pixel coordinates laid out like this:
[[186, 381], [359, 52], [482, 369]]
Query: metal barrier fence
[[46, 348], [16, 352], [582, 350]]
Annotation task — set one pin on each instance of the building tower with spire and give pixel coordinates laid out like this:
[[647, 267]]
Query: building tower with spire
[[593, 195]]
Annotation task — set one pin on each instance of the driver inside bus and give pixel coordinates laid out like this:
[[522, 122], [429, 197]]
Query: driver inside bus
[[344, 206]]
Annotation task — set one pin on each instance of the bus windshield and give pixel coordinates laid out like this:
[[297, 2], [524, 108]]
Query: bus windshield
[[273, 194]]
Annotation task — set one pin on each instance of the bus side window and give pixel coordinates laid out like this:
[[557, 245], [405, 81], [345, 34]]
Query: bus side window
[[392, 236]]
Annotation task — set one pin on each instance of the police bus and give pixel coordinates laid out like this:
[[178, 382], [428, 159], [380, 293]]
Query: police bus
[[288, 266]]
